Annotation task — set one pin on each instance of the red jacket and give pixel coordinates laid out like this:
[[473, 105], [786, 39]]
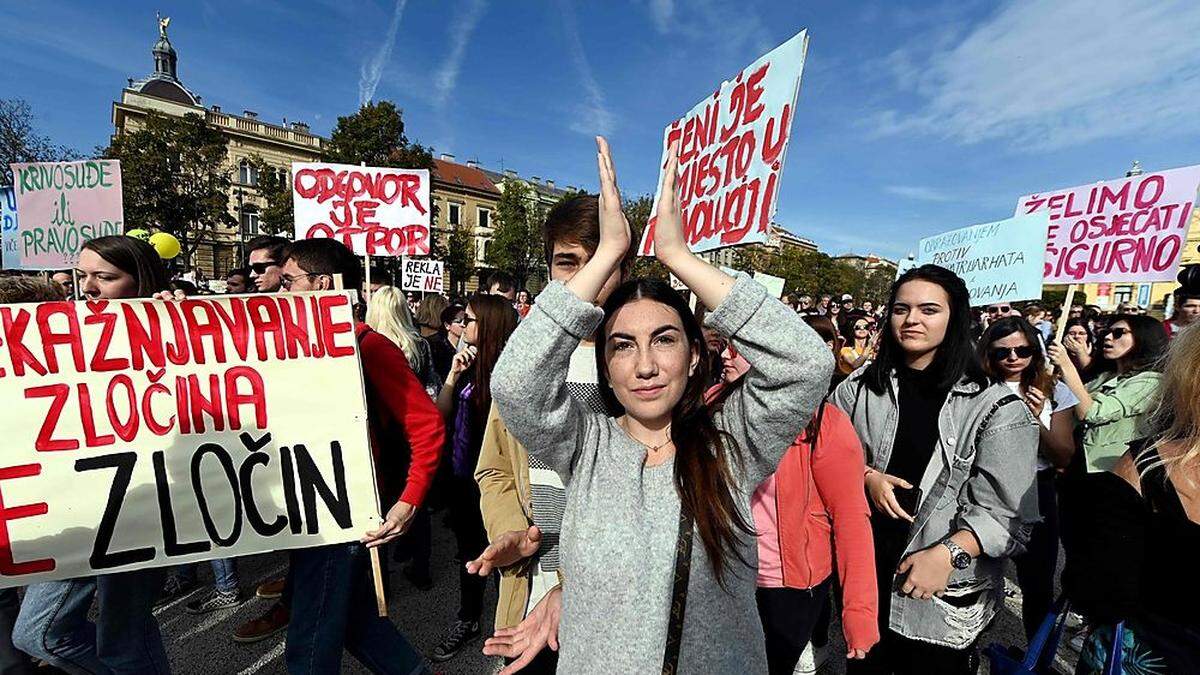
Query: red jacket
[[406, 429], [821, 508]]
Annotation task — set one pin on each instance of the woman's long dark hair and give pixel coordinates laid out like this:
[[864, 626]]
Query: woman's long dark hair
[[1035, 374], [495, 320], [955, 358], [136, 258], [1149, 344], [703, 452]]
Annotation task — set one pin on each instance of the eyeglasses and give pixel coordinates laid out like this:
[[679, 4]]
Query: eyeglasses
[[1116, 333], [287, 280], [262, 267], [466, 320], [861, 326], [1003, 309], [1002, 353]]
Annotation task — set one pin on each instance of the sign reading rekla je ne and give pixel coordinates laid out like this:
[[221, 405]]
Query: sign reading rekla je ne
[[143, 433], [732, 147], [422, 274], [1125, 230], [373, 211], [63, 205], [1000, 262]]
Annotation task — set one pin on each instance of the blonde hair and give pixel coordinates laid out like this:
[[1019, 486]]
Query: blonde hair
[[1177, 417], [388, 315]]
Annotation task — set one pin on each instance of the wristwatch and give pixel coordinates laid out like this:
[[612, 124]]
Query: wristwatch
[[959, 558]]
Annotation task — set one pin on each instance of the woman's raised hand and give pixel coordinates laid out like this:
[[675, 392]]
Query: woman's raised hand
[[669, 242], [614, 228]]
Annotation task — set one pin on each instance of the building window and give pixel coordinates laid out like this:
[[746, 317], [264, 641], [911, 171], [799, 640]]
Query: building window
[[452, 213], [247, 173], [250, 220], [485, 218]]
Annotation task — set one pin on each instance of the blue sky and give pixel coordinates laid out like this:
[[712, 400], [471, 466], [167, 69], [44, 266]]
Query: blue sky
[[914, 117]]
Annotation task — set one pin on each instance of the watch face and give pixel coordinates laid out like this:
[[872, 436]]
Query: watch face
[[961, 561]]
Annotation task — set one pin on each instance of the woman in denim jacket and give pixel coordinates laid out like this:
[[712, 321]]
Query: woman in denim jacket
[[950, 478]]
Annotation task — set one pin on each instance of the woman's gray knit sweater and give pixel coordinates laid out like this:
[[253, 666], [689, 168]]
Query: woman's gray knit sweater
[[621, 523]]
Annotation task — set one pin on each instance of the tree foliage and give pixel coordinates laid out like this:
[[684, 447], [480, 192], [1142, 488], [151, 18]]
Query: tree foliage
[[20, 142], [459, 257], [375, 135], [637, 212], [176, 178], [517, 242], [814, 273]]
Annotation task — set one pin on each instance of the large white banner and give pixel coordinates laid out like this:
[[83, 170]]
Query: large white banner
[[143, 433], [374, 211]]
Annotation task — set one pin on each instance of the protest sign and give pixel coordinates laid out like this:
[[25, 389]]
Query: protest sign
[[374, 211], [905, 264], [1000, 262], [10, 239], [732, 147], [62, 205], [1125, 230], [142, 433], [774, 285], [422, 274]]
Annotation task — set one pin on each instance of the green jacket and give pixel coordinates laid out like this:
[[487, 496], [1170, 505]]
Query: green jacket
[[1119, 412]]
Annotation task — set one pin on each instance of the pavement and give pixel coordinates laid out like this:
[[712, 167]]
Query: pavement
[[202, 645]]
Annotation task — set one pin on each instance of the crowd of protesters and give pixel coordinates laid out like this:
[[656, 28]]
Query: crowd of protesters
[[696, 488]]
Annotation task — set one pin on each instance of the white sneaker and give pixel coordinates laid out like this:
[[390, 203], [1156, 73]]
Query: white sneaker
[[812, 659]]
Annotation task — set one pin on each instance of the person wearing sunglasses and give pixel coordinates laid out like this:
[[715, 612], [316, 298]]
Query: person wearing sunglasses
[[1010, 353], [998, 311], [1113, 407], [265, 262], [860, 345]]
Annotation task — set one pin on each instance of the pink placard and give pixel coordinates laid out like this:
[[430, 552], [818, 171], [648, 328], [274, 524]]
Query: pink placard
[[1126, 230], [63, 205]]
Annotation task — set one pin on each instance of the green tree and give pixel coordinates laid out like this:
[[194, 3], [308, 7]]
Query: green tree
[[276, 190], [375, 135], [517, 241], [459, 257], [20, 142], [637, 212], [175, 177]]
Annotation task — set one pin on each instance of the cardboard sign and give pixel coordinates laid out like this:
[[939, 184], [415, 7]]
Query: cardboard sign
[[774, 285], [732, 147], [422, 274], [1121, 231], [374, 211], [10, 238], [1000, 262], [63, 205], [904, 265], [142, 433]]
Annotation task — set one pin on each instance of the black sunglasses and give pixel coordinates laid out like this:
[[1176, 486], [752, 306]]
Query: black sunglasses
[[998, 310], [1001, 353], [262, 267], [1116, 333]]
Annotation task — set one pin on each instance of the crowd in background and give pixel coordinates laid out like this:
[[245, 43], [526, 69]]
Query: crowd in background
[[883, 460]]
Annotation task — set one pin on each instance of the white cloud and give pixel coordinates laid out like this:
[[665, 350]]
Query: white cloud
[[738, 25], [461, 28], [592, 116], [1053, 74], [919, 193], [661, 12], [372, 68]]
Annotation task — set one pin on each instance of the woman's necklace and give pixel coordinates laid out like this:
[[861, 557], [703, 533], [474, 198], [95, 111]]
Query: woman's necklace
[[650, 449]]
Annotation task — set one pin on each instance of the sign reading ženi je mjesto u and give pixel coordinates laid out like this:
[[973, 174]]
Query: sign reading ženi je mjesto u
[[142, 433], [1000, 262], [10, 238], [422, 274], [1125, 230], [374, 211], [731, 152], [62, 206]]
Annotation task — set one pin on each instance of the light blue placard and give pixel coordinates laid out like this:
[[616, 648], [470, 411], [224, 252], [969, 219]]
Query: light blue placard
[[1000, 262], [10, 250]]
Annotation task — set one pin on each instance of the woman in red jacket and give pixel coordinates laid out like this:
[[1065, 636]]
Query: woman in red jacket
[[813, 506]]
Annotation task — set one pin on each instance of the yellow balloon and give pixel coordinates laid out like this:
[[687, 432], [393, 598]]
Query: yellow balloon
[[139, 233], [166, 244]]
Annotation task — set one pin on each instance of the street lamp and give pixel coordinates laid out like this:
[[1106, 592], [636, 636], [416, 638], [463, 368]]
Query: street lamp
[[241, 231]]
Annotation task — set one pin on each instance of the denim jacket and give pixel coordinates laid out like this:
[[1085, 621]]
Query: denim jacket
[[981, 478]]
